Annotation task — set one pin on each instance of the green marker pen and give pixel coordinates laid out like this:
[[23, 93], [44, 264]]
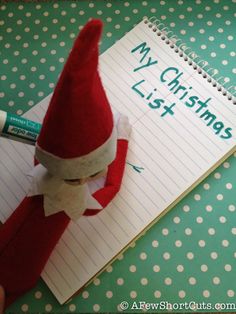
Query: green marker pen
[[19, 129]]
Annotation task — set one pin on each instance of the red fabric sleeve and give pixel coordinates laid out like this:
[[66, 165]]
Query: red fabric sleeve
[[113, 180]]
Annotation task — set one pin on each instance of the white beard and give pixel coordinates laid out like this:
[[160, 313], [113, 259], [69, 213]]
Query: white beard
[[59, 196]]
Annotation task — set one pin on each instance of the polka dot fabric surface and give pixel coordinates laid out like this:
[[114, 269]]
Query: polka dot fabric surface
[[189, 255]]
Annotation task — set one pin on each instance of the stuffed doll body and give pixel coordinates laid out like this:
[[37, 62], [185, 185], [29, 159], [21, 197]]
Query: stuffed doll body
[[79, 140]]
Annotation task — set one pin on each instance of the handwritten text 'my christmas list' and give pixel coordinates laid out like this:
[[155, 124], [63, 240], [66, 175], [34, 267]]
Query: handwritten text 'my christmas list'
[[173, 79]]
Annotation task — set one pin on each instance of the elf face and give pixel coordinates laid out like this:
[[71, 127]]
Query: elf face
[[85, 180]]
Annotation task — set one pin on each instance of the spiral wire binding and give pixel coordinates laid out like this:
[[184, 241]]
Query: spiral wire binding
[[185, 52]]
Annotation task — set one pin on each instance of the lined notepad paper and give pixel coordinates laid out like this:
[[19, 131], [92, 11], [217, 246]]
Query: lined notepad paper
[[172, 144]]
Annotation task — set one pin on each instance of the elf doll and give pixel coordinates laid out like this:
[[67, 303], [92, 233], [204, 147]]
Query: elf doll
[[78, 142]]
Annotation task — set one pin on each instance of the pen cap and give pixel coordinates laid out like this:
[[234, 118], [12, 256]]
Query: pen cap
[[3, 117], [78, 137]]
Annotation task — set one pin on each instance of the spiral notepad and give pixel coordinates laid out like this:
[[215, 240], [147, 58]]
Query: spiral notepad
[[183, 126]]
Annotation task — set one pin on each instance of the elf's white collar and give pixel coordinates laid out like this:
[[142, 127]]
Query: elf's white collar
[[58, 195]]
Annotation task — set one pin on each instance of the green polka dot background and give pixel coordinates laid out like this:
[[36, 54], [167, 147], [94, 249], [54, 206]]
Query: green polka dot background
[[189, 255]]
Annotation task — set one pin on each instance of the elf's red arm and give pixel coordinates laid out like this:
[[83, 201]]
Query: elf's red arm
[[113, 179]]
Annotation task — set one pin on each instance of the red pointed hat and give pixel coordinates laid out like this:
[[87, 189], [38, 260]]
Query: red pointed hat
[[78, 137]]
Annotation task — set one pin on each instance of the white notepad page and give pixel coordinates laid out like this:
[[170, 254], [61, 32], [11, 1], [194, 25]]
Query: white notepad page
[[174, 150]]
